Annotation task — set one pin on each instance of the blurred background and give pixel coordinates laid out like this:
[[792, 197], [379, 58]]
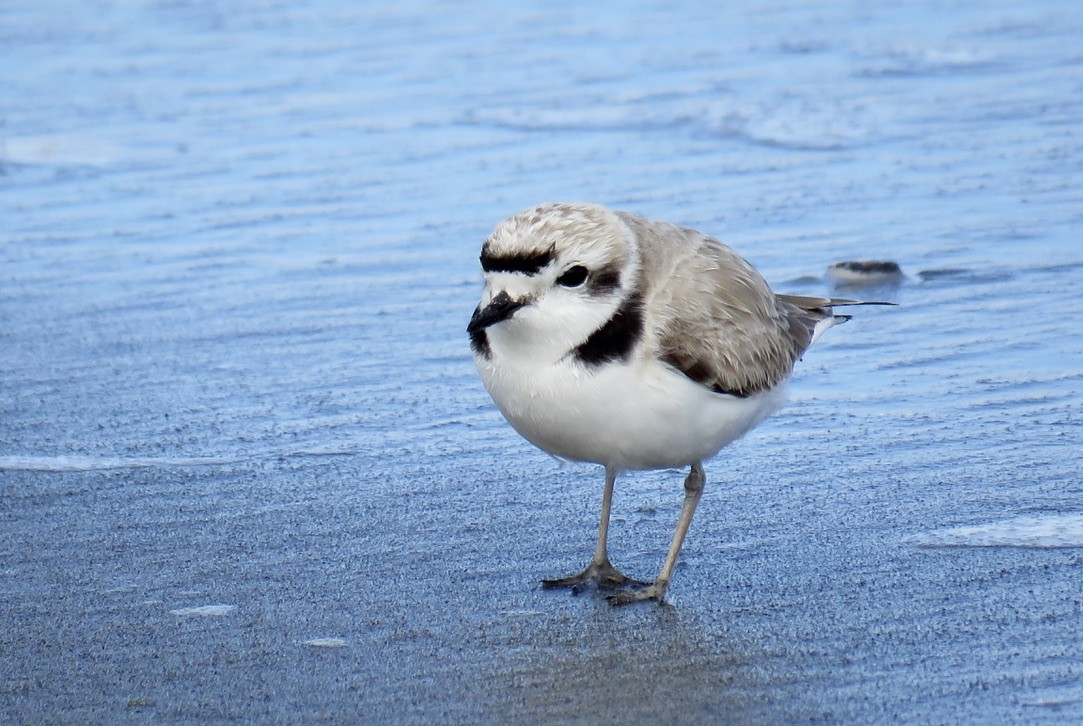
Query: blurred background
[[247, 469]]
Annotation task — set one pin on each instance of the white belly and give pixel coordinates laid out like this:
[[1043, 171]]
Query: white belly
[[627, 416]]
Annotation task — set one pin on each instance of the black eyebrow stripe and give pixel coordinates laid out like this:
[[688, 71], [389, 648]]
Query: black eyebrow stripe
[[528, 264]]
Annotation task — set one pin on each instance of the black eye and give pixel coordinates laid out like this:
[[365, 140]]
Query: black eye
[[573, 277]]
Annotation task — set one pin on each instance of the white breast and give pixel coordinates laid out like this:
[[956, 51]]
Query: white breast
[[637, 415]]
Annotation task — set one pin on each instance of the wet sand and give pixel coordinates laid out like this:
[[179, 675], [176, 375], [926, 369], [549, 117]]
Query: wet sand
[[247, 470]]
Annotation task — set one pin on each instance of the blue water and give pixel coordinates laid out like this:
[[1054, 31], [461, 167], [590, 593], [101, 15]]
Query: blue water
[[238, 249]]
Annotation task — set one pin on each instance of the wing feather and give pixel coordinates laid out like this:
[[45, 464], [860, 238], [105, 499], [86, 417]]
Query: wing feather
[[712, 316]]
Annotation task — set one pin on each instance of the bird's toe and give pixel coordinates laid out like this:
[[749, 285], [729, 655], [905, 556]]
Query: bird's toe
[[641, 594], [602, 575]]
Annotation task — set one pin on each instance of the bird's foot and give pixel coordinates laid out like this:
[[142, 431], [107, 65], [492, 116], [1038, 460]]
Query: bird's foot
[[653, 591], [602, 575]]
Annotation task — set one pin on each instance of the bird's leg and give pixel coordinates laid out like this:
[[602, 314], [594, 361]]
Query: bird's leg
[[693, 490], [600, 571]]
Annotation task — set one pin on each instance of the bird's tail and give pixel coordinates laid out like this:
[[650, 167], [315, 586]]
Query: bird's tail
[[810, 316]]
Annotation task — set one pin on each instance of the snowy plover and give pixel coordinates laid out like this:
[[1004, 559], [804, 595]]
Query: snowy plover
[[606, 337]]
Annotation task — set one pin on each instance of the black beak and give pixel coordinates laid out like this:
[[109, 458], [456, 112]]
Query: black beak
[[499, 308]]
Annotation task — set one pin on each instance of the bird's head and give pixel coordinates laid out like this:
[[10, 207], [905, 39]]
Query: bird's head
[[554, 274]]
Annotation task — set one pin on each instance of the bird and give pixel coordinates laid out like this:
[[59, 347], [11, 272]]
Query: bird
[[607, 337]]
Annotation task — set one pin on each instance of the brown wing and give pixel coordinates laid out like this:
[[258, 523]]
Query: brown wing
[[713, 317]]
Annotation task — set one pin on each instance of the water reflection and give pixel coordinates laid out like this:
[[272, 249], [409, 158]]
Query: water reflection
[[637, 664]]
